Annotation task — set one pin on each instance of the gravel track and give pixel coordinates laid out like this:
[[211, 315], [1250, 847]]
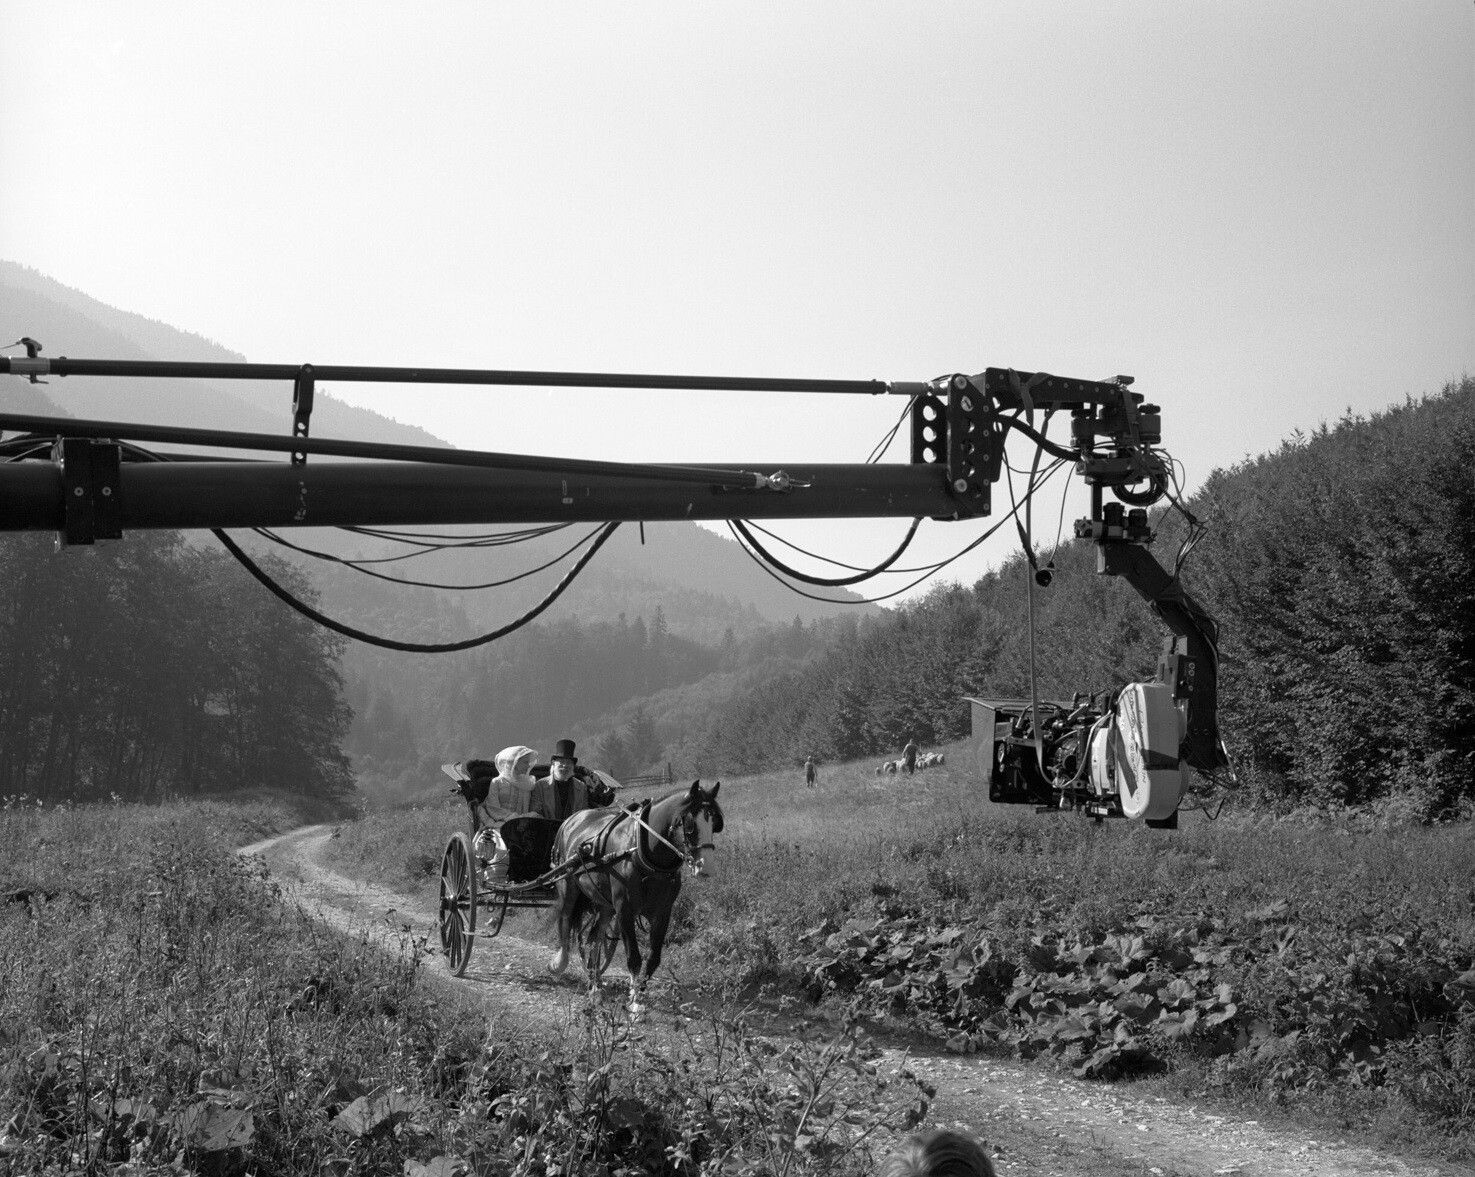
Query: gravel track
[[1035, 1121]]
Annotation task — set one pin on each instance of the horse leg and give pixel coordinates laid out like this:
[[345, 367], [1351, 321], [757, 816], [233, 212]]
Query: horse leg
[[568, 892], [658, 925], [625, 912]]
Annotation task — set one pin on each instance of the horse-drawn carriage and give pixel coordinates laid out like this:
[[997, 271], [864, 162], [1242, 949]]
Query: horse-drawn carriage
[[605, 869], [531, 879]]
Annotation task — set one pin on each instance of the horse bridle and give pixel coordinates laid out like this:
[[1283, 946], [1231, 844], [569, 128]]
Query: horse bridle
[[689, 834], [689, 854]]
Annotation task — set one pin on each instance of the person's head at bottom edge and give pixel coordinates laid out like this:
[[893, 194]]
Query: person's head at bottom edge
[[941, 1152]]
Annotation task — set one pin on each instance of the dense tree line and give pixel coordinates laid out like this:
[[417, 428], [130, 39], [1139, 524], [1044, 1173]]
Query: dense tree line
[[1344, 567], [148, 667], [532, 687], [1341, 569], [546, 681]]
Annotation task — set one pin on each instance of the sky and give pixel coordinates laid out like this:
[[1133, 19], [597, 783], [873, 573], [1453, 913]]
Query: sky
[[1262, 211]]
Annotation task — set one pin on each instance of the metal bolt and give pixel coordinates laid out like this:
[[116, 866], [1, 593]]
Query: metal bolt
[[960, 382], [107, 492], [961, 486], [77, 490], [966, 404]]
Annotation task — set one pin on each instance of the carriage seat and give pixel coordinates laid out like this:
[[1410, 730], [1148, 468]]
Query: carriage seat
[[529, 846]]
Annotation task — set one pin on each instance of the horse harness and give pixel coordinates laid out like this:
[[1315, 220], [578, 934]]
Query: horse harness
[[594, 851]]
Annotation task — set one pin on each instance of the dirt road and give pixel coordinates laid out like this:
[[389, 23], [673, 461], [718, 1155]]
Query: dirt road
[[1036, 1122]]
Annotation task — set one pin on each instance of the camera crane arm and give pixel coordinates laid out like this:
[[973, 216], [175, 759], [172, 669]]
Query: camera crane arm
[[83, 482]]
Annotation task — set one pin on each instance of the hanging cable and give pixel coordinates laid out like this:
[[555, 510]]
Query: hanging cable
[[1059, 523], [265, 533], [879, 450], [822, 581], [413, 647], [877, 453], [22, 454], [1026, 538], [349, 631], [826, 559], [1055, 451], [423, 547], [1050, 471], [441, 540]]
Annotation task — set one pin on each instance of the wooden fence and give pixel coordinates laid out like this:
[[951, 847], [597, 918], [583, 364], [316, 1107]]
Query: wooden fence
[[663, 779]]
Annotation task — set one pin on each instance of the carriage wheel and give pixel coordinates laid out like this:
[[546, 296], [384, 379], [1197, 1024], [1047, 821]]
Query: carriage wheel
[[458, 902]]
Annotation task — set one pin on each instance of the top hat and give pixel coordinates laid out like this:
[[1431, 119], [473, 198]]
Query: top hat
[[564, 748]]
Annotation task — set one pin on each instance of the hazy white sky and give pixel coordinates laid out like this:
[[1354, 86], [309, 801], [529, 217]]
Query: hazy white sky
[[1265, 212]]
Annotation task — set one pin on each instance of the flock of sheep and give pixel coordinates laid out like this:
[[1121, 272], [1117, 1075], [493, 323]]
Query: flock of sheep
[[925, 760]]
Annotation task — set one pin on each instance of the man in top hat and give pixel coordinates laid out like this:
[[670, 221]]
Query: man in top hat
[[568, 788]]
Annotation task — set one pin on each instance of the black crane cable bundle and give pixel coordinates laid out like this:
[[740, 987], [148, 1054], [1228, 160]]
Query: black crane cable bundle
[[308, 611], [357, 564], [599, 537]]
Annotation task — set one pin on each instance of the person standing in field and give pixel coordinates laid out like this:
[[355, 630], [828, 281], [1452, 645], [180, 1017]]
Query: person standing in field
[[909, 756], [811, 772]]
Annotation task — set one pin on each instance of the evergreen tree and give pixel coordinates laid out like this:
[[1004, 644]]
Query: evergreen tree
[[611, 755], [641, 741]]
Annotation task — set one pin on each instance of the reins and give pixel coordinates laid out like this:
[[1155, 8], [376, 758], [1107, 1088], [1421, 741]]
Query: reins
[[644, 862], [595, 859]]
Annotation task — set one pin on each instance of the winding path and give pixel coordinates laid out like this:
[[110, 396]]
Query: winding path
[[1036, 1122]]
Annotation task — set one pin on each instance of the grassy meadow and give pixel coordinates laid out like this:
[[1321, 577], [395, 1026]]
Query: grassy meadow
[[1320, 965], [163, 1009]]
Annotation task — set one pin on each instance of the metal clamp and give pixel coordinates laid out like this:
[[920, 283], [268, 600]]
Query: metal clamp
[[302, 392], [92, 490], [30, 365]]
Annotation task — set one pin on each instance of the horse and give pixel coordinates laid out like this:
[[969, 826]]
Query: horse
[[643, 854]]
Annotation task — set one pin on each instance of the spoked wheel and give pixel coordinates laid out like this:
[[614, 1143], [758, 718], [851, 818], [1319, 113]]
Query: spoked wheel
[[458, 902]]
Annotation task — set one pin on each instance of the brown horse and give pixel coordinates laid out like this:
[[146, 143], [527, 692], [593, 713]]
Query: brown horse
[[644, 852]]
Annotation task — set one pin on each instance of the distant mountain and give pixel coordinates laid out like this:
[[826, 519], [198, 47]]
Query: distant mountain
[[68, 322]]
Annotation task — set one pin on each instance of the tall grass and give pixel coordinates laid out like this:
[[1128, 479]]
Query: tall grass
[[163, 1010]]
